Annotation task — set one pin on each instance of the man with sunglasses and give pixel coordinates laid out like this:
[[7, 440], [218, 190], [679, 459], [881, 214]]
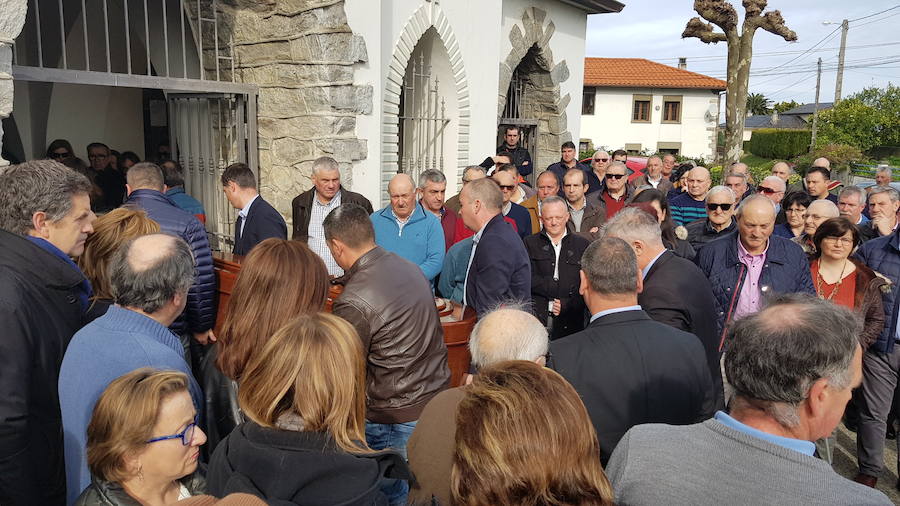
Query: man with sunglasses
[[508, 187], [773, 188], [720, 207], [150, 276], [596, 177], [616, 191]]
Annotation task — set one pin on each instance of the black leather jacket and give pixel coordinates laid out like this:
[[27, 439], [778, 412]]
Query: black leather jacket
[[107, 493], [391, 305]]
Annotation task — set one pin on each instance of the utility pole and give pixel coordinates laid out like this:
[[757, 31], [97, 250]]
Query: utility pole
[[845, 25], [812, 144]]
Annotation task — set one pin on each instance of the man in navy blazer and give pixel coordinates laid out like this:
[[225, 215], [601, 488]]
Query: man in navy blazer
[[627, 368], [257, 219], [498, 268]]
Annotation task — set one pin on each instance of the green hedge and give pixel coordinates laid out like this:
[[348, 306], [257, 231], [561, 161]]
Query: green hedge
[[774, 143]]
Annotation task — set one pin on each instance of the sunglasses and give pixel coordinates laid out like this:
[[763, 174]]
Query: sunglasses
[[615, 176], [60, 155], [601, 159], [507, 187], [713, 207], [767, 191]]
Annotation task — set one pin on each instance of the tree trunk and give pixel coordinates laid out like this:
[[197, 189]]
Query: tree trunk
[[740, 53]]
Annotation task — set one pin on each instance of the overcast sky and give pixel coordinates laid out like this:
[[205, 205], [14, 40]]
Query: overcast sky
[[652, 29]]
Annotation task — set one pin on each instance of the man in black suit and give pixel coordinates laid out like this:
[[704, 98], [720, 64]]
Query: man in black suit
[[498, 269], [627, 368], [508, 185], [257, 219], [675, 290]]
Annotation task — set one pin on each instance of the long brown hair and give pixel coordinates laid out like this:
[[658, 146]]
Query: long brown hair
[[523, 436], [279, 280], [124, 418], [313, 367], [111, 231]]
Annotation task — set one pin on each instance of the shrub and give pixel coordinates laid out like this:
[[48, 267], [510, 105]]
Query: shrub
[[775, 143], [840, 156]]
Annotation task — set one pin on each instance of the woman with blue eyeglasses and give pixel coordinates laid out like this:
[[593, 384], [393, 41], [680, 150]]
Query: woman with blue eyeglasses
[[143, 442]]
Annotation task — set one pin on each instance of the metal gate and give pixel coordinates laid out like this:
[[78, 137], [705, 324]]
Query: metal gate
[[423, 120], [513, 113], [208, 132]]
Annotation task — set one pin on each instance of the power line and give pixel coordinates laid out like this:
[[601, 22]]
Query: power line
[[876, 20], [877, 13], [779, 53]]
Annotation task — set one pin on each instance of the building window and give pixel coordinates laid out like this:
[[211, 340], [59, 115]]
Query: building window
[[587, 100], [640, 113], [673, 148], [633, 148], [671, 109]]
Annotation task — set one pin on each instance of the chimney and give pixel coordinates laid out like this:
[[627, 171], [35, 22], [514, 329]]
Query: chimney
[[682, 63]]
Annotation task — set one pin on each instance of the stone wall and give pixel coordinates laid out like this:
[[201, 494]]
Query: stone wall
[[12, 17], [301, 54], [531, 54]]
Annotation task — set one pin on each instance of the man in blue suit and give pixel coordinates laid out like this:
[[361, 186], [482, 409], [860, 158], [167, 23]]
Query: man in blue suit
[[257, 219], [498, 269]]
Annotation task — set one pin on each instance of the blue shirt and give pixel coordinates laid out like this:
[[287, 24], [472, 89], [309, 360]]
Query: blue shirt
[[649, 266], [615, 310], [799, 445]]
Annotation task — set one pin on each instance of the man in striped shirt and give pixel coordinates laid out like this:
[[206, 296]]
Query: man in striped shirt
[[690, 205]]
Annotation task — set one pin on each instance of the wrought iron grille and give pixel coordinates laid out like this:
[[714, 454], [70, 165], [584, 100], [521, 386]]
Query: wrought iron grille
[[423, 121]]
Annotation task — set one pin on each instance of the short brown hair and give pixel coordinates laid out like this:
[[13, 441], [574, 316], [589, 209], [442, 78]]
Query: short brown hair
[[111, 231], [124, 418], [241, 174], [835, 227], [146, 175], [279, 280], [523, 436], [313, 366]]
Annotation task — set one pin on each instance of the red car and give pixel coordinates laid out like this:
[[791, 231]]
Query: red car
[[636, 164]]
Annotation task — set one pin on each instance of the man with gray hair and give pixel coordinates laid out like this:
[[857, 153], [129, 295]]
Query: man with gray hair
[[149, 277], [45, 217], [884, 203], [793, 367], [627, 368], [471, 173], [675, 290], [883, 176], [507, 333], [852, 203], [432, 189], [654, 176], [738, 184], [719, 221], [311, 207], [772, 187]]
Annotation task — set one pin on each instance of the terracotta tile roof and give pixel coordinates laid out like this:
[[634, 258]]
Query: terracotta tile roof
[[642, 73]]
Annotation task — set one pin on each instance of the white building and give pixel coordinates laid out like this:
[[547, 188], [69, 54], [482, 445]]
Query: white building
[[643, 106], [380, 85]]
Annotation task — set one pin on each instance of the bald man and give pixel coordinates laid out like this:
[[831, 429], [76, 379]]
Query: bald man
[[151, 276], [691, 205], [510, 333], [745, 266], [404, 228]]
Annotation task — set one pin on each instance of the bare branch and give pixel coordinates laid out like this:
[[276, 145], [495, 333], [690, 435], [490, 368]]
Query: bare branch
[[772, 22], [703, 31], [717, 12], [753, 8]]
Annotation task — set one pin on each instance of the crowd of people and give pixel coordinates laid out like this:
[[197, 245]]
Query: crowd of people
[[641, 338]]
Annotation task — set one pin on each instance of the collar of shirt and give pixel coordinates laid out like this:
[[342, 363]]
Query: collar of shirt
[[580, 208], [615, 310], [243, 212], [745, 256], [558, 243], [506, 207], [799, 445], [399, 220], [649, 266], [477, 236], [335, 199]]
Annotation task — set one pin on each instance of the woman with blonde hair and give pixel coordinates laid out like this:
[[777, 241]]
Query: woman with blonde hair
[[304, 396], [110, 231], [143, 442], [278, 280], [523, 437]]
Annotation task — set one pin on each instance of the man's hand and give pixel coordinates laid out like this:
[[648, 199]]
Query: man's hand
[[205, 338], [881, 224], [557, 306]]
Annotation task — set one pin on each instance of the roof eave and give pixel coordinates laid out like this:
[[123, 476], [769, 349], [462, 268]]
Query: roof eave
[[647, 87], [596, 6]]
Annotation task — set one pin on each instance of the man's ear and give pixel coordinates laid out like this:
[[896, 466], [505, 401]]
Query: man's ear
[[583, 285], [817, 400], [128, 189], [640, 282], [40, 224]]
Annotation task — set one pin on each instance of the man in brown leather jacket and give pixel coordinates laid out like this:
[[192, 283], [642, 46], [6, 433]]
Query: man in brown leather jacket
[[390, 303]]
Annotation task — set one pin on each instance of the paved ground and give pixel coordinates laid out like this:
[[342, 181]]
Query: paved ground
[[845, 462]]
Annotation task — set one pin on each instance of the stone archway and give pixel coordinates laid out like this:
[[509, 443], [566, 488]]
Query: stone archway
[[427, 16], [11, 21], [531, 59]]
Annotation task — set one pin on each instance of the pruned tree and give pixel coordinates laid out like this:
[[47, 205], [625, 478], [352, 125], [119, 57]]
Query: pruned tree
[[740, 51]]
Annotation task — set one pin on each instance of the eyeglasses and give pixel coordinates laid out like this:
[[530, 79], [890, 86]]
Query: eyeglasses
[[507, 187], [614, 176], [186, 436], [848, 241], [766, 190], [60, 155], [713, 207], [601, 159]]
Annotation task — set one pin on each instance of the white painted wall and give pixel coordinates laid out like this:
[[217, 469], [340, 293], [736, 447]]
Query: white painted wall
[[482, 31], [611, 125]]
